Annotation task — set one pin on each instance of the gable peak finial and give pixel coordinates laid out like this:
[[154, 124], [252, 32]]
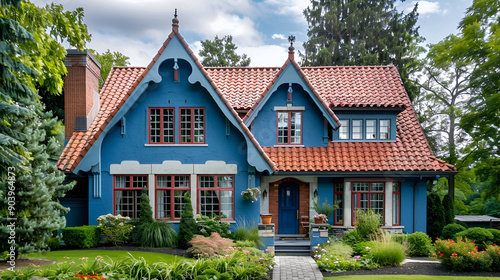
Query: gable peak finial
[[175, 21], [291, 49]]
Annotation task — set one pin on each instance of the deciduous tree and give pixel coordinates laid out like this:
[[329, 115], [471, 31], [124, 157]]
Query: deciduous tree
[[221, 52]]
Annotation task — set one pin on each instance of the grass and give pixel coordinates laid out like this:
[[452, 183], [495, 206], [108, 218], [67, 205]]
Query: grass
[[393, 277]]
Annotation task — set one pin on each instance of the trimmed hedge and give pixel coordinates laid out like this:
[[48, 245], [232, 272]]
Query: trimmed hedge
[[81, 237], [449, 231], [481, 236]]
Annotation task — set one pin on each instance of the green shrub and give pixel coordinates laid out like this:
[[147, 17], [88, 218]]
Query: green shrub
[[463, 255], [493, 253], [387, 252], [245, 244], [435, 216], [362, 248], [158, 234], [207, 225], [496, 235], [352, 237], [367, 222], [449, 231], [187, 224], [419, 244], [336, 257], [481, 236], [116, 228], [81, 237], [250, 233], [54, 243]]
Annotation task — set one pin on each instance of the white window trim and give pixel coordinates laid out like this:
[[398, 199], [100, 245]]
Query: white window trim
[[289, 107]]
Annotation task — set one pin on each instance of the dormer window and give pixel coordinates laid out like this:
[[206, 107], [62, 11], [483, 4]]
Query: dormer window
[[369, 127], [289, 128]]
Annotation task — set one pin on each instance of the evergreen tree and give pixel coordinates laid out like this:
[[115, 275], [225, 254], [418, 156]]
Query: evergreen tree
[[31, 58], [449, 210], [187, 225], [221, 52], [435, 216], [145, 216], [367, 32]]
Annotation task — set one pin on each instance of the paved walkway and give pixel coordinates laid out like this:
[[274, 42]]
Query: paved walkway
[[296, 268]]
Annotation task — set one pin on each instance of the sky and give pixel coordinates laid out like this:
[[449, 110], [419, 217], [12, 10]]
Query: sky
[[260, 28]]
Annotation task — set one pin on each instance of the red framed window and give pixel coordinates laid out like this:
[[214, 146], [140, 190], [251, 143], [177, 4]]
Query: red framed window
[[170, 191], [396, 204], [161, 125], [368, 196], [216, 195], [289, 128], [338, 197], [127, 190], [192, 126]]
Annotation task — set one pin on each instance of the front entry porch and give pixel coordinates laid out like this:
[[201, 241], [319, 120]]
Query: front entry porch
[[289, 203]]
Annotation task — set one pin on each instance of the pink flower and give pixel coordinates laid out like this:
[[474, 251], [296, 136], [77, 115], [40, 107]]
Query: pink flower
[[261, 259], [357, 257]]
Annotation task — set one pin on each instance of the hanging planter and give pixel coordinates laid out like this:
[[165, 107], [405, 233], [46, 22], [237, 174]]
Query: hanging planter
[[266, 218], [251, 194]]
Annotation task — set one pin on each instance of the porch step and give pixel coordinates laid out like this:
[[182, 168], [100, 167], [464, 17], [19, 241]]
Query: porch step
[[290, 237], [292, 247]]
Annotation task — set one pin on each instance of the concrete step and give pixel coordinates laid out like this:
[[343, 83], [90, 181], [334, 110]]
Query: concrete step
[[290, 237]]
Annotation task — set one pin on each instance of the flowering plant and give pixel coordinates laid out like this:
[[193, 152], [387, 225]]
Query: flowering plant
[[251, 193], [116, 228], [320, 216]]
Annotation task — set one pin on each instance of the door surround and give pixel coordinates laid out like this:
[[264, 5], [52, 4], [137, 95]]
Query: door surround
[[274, 201]]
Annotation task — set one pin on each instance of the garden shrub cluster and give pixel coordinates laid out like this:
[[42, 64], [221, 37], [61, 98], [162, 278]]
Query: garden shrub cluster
[[450, 230], [116, 228], [419, 244], [236, 263], [481, 236], [209, 246], [158, 234], [81, 237], [463, 255]]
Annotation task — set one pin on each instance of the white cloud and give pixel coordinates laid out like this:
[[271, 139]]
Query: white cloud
[[278, 36], [267, 55], [426, 7]]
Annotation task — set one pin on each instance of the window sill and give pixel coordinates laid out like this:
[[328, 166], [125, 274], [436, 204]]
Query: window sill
[[288, 146], [175, 145]]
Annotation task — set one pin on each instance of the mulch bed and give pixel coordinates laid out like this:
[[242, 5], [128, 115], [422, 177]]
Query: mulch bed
[[413, 268]]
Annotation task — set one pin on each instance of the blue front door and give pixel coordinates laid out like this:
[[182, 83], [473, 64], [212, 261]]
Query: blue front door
[[288, 208]]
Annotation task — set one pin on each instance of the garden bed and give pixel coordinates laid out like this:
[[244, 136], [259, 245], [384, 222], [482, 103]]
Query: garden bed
[[412, 268]]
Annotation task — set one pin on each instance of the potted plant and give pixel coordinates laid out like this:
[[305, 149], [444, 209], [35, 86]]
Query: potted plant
[[320, 219], [325, 208], [251, 194], [266, 218]]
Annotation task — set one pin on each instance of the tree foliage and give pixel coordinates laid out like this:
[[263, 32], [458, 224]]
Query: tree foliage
[[367, 32], [109, 60], [435, 216], [187, 224], [221, 52], [31, 57]]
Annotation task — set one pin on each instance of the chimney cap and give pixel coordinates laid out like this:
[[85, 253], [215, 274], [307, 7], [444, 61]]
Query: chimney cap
[[75, 52]]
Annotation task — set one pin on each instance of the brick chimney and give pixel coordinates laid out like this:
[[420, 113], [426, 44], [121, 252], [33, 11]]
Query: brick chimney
[[81, 91]]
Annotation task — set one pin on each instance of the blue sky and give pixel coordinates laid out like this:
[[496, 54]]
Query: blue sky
[[260, 28]]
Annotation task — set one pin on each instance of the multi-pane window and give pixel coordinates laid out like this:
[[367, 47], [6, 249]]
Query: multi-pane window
[[385, 129], [338, 196], [216, 195], [371, 129], [161, 125], [192, 125], [289, 127], [170, 191], [357, 129], [368, 196], [396, 203], [344, 130], [128, 194]]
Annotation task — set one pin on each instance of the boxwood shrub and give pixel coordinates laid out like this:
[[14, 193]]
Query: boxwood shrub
[[419, 244], [481, 236], [81, 237], [449, 231]]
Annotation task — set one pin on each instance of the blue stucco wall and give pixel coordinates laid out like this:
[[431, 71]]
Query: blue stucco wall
[[131, 146], [325, 192], [265, 124]]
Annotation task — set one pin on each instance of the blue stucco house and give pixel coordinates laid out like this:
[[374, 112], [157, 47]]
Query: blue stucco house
[[335, 133]]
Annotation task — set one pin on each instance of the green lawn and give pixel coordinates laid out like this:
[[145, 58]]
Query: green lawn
[[77, 257], [394, 277]]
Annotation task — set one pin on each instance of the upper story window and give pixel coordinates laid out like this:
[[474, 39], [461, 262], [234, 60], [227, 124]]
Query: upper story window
[[192, 126], [357, 127], [289, 128], [161, 125]]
